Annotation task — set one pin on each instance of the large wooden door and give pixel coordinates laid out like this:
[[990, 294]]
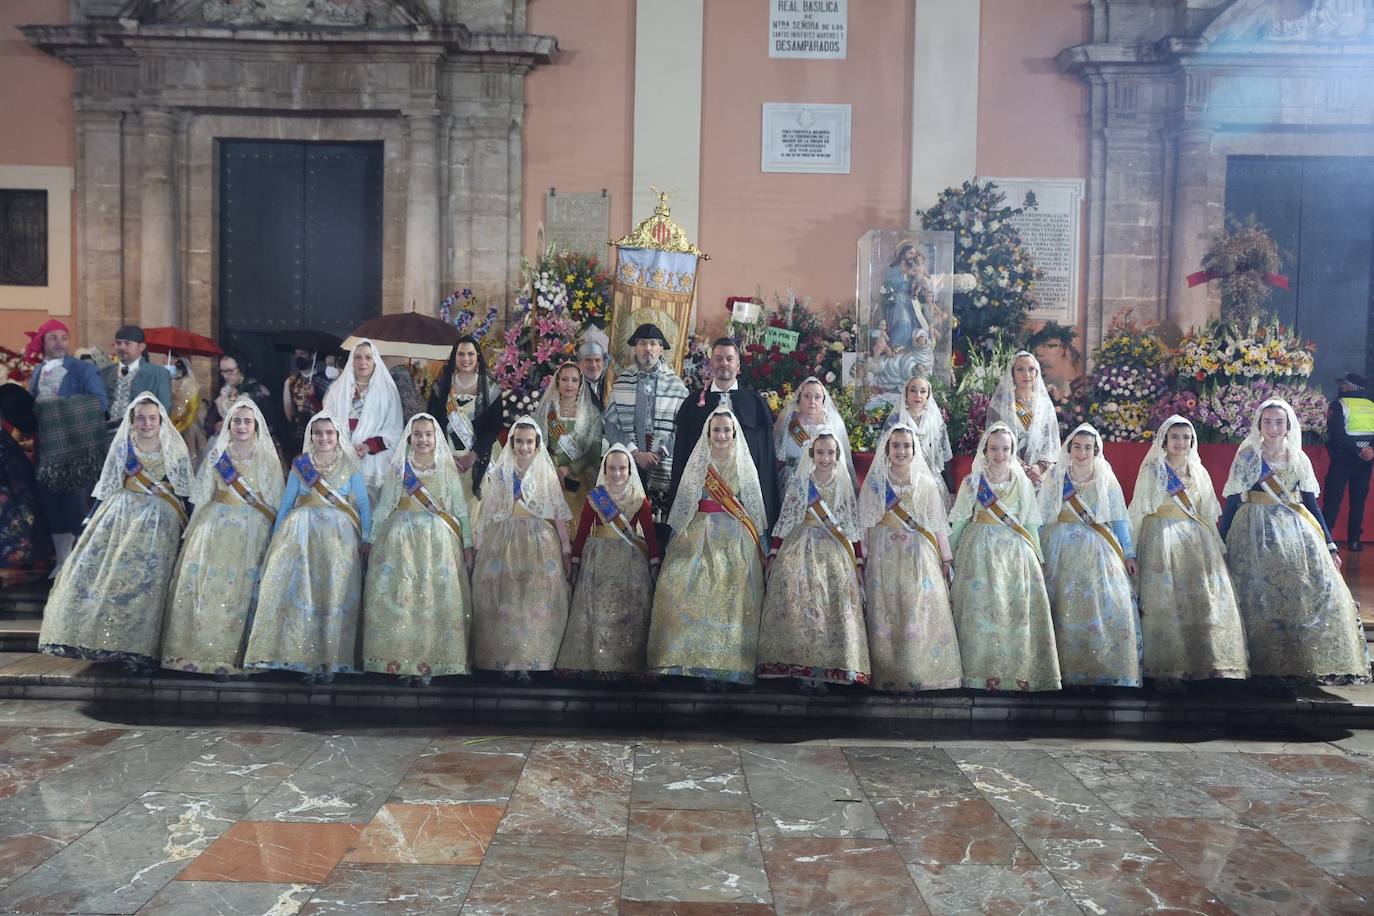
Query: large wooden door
[[1321, 213], [300, 243]]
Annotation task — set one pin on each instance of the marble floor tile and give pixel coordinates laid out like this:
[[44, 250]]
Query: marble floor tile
[[807, 791], [533, 875], [1247, 868], [1141, 785], [121, 864], [67, 742], [227, 898], [455, 771], [1037, 797], [689, 777], [1124, 876], [694, 856], [24, 845], [681, 908], [837, 875], [1310, 823], [1321, 770], [242, 762], [574, 787], [1002, 890], [891, 772], [384, 890], [1224, 769], [427, 835], [345, 780], [274, 852], [950, 828]]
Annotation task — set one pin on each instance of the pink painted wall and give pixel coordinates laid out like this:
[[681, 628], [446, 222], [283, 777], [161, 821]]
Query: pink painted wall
[[768, 232], [579, 116], [39, 120]]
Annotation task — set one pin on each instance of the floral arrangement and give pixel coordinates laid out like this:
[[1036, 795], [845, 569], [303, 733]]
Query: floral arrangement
[[1229, 409], [532, 349], [1245, 259], [988, 246], [696, 363], [571, 282], [864, 411], [769, 368], [1183, 403], [1223, 351], [460, 310], [1132, 370]]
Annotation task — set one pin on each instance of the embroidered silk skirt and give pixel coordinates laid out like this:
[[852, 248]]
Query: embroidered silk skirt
[[608, 626], [520, 596], [911, 633]]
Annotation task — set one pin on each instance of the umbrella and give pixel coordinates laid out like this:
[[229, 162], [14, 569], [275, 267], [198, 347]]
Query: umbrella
[[307, 339], [176, 340], [408, 334]]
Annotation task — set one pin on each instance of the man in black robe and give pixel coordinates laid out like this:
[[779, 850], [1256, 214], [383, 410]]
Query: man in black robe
[[754, 417]]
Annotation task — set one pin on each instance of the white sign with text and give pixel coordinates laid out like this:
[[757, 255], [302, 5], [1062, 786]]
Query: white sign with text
[[806, 138], [1052, 233], [815, 29]]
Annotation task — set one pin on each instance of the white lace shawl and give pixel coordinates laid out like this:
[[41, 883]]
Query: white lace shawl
[[1152, 483], [586, 431], [176, 461], [930, 432], [444, 483], [1102, 495], [381, 414], [1020, 502], [923, 497], [262, 470], [541, 492], [830, 419], [1296, 473], [346, 460], [1041, 441], [745, 477], [838, 496], [633, 498]]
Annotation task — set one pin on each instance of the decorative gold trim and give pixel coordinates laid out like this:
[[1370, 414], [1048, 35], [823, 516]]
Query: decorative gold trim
[[659, 232]]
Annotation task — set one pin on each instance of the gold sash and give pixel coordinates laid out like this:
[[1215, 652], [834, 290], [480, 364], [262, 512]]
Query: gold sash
[[1074, 504], [333, 497], [822, 514], [1002, 516], [421, 495], [797, 431], [150, 487], [618, 526], [1273, 494], [250, 498], [722, 493], [902, 519], [1025, 414]]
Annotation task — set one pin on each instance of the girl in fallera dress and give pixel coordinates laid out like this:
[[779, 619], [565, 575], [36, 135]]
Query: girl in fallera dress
[[520, 583], [235, 495], [709, 596], [108, 601], [1299, 617], [813, 617], [1089, 565], [571, 428], [912, 639], [809, 412], [311, 593], [921, 412], [1001, 608], [615, 559], [1023, 403], [417, 604], [364, 397], [1190, 622]]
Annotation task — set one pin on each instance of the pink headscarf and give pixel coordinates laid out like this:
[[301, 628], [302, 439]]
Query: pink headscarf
[[34, 350]]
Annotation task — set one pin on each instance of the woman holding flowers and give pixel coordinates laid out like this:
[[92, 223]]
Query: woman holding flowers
[[911, 635], [418, 606], [1299, 616], [921, 412], [1001, 608], [311, 595], [1190, 622], [110, 594], [615, 560], [571, 426], [706, 608], [235, 495], [1022, 402], [807, 413], [813, 621], [1089, 562], [520, 583]]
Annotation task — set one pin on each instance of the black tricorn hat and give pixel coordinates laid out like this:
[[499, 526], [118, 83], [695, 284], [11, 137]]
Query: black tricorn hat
[[648, 332]]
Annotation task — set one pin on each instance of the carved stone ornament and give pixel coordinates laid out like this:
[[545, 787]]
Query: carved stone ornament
[[279, 12], [1327, 20]]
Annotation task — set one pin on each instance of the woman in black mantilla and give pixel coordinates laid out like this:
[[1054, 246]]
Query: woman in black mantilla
[[462, 393]]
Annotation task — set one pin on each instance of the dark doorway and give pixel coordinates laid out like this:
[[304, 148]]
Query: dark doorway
[[300, 244], [1320, 211]]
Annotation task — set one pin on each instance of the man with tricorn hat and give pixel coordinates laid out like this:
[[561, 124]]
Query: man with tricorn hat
[[641, 413], [1350, 442]]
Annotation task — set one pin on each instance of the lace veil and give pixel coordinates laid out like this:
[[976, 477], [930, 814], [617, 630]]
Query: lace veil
[[1041, 441], [797, 498], [381, 414], [266, 476], [176, 461], [830, 418], [586, 432], [1245, 469], [633, 497], [745, 475], [1102, 495], [1152, 483], [540, 489], [966, 503], [445, 479]]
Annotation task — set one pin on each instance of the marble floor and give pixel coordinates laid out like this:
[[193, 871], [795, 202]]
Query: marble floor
[[98, 816]]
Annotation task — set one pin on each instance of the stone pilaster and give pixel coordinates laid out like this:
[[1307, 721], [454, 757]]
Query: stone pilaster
[[1196, 215], [422, 213], [158, 295]]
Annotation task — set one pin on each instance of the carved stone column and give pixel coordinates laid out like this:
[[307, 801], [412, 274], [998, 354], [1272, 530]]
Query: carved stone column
[[100, 238], [158, 305], [1197, 213], [422, 213]]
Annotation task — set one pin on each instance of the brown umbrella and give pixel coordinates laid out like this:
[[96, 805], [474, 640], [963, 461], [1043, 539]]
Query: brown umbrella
[[408, 335]]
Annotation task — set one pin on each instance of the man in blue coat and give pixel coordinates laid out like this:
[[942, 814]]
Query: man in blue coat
[[131, 374]]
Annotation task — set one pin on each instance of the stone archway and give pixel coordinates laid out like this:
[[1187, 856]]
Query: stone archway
[[159, 82]]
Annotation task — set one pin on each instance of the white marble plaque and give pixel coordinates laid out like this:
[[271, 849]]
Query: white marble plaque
[[806, 138], [808, 29], [1051, 232], [578, 222]]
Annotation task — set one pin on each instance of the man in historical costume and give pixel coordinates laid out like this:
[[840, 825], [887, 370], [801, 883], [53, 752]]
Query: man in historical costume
[[641, 414], [1350, 443], [71, 403], [749, 408], [130, 375], [591, 359]]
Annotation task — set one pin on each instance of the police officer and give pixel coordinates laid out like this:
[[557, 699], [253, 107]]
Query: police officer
[[1350, 443]]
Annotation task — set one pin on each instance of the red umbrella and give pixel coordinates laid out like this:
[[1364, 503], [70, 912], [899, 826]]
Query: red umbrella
[[181, 342]]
